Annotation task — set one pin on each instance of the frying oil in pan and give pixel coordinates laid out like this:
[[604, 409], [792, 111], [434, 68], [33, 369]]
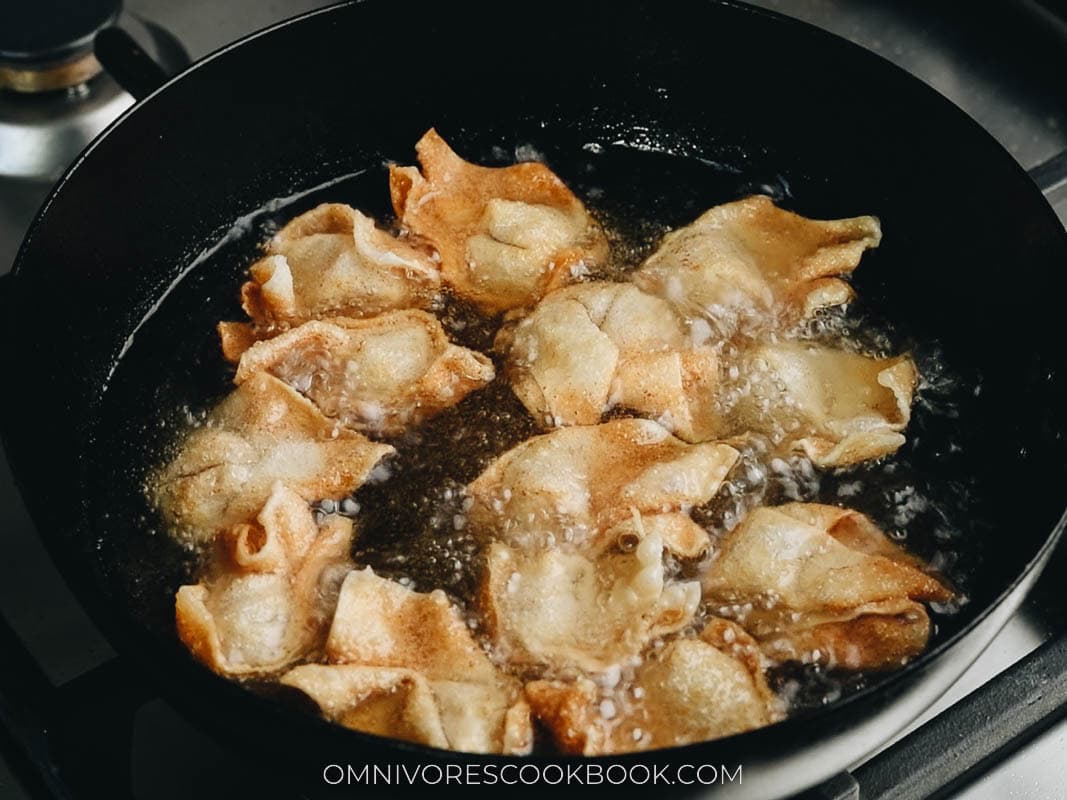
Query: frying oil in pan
[[411, 514]]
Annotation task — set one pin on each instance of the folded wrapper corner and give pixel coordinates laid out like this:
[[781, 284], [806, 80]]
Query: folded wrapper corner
[[689, 690], [836, 407], [817, 583], [577, 487], [268, 594], [746, 261], [506, 235], [330, 261], [588, 348], [382, 374], [262, 432], [405, 665]]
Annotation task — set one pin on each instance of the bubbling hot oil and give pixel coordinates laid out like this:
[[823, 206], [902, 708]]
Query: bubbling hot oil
[[412, 513]]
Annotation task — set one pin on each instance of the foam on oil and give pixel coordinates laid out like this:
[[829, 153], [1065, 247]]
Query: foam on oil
[[412, 512]]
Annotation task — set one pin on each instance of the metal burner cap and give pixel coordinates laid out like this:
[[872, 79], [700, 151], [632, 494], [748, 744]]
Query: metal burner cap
[[38, 34]]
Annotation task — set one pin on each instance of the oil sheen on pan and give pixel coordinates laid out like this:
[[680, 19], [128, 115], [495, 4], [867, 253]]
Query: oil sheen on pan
[[504, 470]]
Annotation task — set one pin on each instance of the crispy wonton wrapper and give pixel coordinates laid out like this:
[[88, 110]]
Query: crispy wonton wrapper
[[568, 610], [505, 236], [588, 348], [573, 487], [406, 666], [838, 408], [332, 261], [820, 583], [749, 259], [270, 589], [382, 374], [690, 690], [262, 432], [382, 623]]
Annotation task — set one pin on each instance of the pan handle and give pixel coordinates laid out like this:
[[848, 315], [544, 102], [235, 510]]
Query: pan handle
[[139, 55], [1050, 175], [128, 63]]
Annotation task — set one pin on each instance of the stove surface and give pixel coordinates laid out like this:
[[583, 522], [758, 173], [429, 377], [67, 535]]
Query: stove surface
[[1015, 90]]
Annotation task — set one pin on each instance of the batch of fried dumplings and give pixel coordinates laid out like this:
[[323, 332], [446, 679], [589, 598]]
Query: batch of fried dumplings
[[646, 389]]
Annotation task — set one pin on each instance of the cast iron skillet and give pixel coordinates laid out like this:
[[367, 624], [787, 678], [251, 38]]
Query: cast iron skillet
[[743, 99]]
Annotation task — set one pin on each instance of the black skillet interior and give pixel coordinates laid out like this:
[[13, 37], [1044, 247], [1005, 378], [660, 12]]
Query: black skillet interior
[[652, 113]]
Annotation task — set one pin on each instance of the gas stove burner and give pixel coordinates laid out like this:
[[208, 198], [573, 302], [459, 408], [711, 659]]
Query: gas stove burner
[[54, 97], [47, 45]]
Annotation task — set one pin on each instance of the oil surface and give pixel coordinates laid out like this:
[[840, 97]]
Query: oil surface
[[411, 515]]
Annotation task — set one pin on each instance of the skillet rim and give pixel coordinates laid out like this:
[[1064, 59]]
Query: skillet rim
[[117, 626]]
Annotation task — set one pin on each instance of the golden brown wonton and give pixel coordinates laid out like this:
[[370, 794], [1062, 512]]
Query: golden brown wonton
[[836, 407], [689, 690], [381, 374], [269, 592], [603, 608], [506, 236], [573, 486], [588, 348], [333, 261], [820, 583], [404, 664], [749, 259], [262, 432], [382, 623], [569, 610]]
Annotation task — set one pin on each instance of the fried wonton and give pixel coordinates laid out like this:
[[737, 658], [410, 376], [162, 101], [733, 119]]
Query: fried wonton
[[567, 610], [574, 485], [262, 432], [406, 666], [403, 704], [588, 348], [382, 623], [691, 690], [268, 595], [381, 374], [820, 583], [333, 261], [837, 407], [749, 259], [506, 236]]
